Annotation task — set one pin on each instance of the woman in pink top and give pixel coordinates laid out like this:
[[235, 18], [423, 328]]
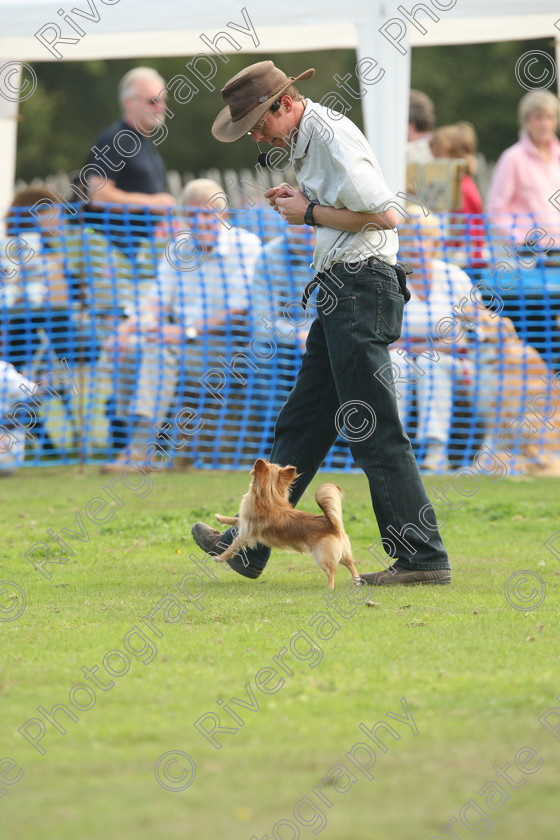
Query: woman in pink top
[[527, 174]]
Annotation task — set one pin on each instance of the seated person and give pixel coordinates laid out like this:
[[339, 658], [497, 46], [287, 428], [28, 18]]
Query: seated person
[[435, 287], [280, 280], [527, 174], [466, 236], [152, 249], [61, 268], [195, 312]]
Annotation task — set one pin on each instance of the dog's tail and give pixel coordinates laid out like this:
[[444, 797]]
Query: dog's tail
[[328, 497]]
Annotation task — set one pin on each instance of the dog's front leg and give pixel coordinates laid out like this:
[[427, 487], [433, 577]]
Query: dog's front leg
[[227, 520]]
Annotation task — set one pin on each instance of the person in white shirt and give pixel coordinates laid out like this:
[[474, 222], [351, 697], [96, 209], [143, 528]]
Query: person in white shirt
[[197, 308], [342, 194], [436, 371], [280, 280], [12, 445], [421, 122]]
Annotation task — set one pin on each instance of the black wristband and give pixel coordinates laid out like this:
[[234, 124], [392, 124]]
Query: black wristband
[[308, 218]]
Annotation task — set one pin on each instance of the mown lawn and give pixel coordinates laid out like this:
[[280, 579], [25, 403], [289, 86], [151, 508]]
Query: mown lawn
[[476, 674]]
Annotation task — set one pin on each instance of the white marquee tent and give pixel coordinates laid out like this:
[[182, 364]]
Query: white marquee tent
[[381, 30]]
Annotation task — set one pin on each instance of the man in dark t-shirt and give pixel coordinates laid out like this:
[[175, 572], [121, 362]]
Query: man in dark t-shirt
[[143, 173], [124, 167]]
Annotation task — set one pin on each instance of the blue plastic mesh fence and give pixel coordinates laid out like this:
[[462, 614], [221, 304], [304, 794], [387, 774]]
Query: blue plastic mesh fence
[[129, 330]]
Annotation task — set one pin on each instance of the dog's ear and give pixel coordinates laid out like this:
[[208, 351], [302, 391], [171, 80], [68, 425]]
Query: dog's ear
[[289, 473], [259, 467]]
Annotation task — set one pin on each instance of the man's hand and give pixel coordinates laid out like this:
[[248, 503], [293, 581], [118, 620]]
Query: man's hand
[[292, 207], [109, 193], [290, 203], [162, 200], [281, 191]]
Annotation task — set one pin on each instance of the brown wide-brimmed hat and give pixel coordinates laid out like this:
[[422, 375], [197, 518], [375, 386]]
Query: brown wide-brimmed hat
[[249, 94]]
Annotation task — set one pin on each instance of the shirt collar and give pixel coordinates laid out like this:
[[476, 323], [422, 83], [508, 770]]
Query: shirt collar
[[305, 130], [531, 149]]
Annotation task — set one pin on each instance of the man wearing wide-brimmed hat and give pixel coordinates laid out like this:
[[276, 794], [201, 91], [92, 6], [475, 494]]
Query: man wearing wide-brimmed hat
[[360, 306]]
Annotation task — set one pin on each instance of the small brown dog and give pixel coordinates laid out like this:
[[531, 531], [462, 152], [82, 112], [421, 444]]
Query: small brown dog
[[266, 516]]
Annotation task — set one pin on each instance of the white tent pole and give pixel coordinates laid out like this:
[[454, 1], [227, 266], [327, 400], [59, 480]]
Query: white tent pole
[[8, 136], [385, 104]]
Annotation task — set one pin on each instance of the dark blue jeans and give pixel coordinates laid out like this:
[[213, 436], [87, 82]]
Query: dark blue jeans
[[337, 391]]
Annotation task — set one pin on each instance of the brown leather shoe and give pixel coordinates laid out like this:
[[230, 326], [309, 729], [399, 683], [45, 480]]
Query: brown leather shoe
[[208, 539], [397, 576], [213, 542]]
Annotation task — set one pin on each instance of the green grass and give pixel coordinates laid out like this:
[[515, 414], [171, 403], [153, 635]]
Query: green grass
[[476, 673]]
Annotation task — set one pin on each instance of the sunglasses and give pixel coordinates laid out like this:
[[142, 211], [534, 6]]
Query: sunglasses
[[274, 107], [259, 125], [155, 100]]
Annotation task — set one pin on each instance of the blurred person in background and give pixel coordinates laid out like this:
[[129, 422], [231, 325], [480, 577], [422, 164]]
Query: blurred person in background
[[421, 122], [133, 172], [62, 293], [528, 173], [12, 439], [437, 372], [466, 238], [199, 306], [279, 282], [67, 276], [38, 293]]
